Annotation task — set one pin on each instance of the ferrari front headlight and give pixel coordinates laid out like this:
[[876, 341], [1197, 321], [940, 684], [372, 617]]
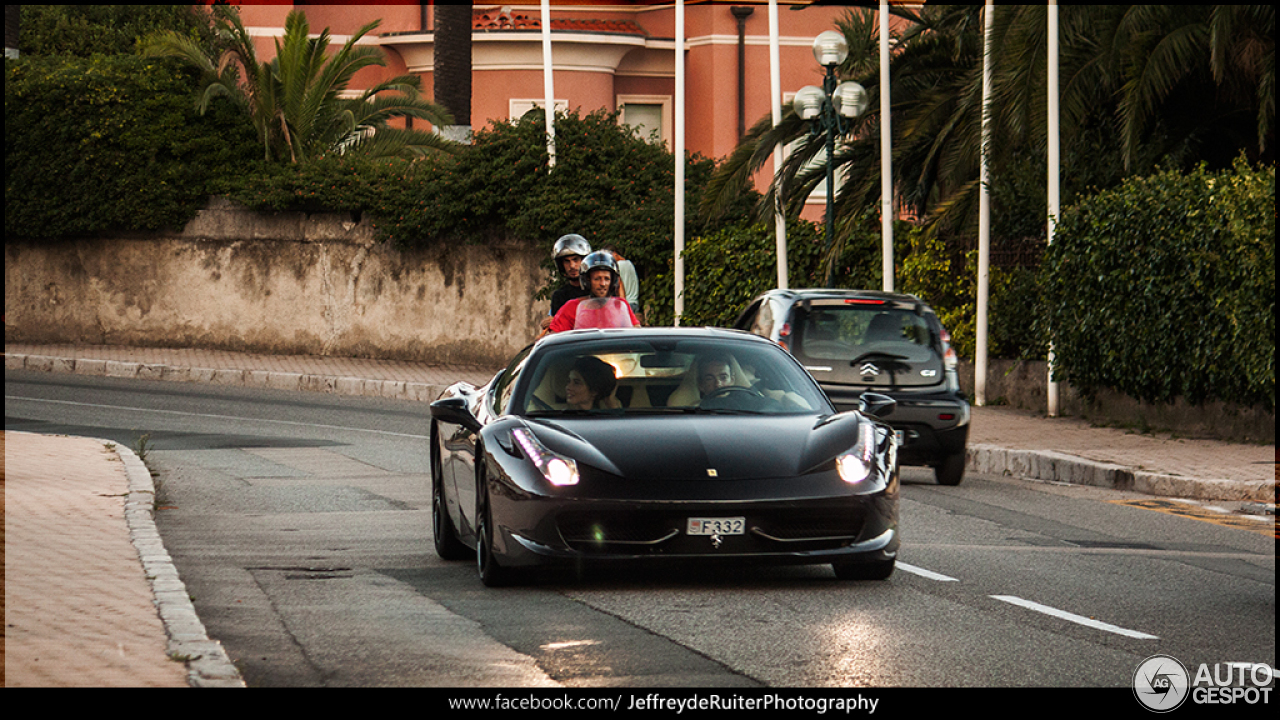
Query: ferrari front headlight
[[557, 469], [855, 465]]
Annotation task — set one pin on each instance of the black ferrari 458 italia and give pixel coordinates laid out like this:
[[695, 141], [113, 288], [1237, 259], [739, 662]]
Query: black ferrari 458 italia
[[660, 445]]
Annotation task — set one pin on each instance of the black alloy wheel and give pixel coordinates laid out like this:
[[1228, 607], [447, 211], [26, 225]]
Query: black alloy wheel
[[448, 546], [879, 570], [492, 574]]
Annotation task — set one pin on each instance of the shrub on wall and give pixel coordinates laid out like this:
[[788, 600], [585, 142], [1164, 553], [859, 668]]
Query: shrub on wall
[[608, 185], [950, 286], [1165, 288], [107, 143], [726, 269]]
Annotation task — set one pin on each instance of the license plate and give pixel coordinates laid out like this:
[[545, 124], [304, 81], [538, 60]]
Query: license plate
[[717, 526]]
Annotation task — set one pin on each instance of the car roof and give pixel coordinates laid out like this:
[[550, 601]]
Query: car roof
[[707, 333], [902, 300], [840, 293]]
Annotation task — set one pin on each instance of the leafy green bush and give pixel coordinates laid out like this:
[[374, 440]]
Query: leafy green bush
[[109, 142], [380, 187], [608, 185], [86, 30], [950, 286], [726, 269], [1165, 288]]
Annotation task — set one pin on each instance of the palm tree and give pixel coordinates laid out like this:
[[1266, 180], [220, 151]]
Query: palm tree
[[1143, 84], [1213, 64], [452, 62], [298, 102]]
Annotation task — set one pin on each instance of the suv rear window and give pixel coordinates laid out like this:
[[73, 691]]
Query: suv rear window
[[867, 345]]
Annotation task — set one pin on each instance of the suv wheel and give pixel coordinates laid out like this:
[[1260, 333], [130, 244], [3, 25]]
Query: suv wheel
[[951, 470]]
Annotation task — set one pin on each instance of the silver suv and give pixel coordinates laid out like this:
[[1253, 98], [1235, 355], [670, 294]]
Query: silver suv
[[853, 341]]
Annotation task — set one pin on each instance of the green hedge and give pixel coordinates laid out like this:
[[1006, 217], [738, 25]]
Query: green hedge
[[109, 143], [1165, 288], [950, 286], [725, 270]]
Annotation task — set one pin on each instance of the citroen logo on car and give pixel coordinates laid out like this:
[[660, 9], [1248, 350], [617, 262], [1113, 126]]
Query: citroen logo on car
[[869, 369]]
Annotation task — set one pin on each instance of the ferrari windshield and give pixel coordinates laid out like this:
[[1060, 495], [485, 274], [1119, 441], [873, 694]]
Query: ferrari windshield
[[654, 375]]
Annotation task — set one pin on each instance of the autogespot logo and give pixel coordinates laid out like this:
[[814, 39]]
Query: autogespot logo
[[1161, 683]]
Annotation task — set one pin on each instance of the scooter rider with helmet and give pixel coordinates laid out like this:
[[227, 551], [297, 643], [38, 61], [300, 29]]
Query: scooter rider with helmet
[[603, 308], [568, 254]]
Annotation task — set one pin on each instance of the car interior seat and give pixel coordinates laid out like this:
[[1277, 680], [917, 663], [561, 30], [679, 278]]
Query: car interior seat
[[884, 327], [550, 389]]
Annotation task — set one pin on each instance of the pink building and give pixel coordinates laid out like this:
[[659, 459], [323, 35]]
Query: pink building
[[619, 56]]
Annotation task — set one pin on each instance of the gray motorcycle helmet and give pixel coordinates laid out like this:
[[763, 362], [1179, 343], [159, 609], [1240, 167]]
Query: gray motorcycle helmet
[[597, 260], [571, 244]]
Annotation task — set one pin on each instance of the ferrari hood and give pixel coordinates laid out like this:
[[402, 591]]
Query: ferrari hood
[[696, 447]]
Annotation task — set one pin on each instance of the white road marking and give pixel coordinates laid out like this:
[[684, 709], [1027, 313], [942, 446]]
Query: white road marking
[[931, 575], [1080, 619]]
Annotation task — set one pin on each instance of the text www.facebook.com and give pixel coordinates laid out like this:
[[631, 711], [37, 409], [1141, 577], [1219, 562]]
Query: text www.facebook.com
[[678, 704]]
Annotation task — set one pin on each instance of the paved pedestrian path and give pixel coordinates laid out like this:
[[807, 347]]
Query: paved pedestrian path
[[90, 597]]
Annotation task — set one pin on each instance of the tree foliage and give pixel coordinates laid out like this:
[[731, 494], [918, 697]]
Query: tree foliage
[[1142, 86], [109, 143], [84, 30]]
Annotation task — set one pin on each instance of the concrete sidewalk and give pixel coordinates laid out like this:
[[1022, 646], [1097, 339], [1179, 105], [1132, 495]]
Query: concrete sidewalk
[[93, 600], [91, 597]]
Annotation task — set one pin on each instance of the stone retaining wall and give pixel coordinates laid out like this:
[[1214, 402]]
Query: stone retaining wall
[[276, 283]]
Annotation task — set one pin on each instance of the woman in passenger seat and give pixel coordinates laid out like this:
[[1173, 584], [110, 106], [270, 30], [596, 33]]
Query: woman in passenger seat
[[591, 385]]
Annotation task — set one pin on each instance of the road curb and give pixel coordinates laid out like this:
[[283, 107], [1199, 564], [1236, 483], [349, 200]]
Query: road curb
[[1070, 469], [208, 665], [337, 385]]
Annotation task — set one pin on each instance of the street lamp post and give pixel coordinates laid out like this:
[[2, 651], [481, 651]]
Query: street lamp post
[[827, 106]]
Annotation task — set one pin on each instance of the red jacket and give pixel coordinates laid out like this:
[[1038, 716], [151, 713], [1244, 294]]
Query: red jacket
[[598, 313]]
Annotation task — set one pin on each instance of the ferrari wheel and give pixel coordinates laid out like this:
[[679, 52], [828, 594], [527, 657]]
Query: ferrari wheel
[[492, 574], [448, 547], [864, 571]]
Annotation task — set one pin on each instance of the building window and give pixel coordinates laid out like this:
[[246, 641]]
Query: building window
[[648, 115], [519, 106]]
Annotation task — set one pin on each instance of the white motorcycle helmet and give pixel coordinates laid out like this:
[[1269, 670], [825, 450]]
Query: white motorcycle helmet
[[568, 245]]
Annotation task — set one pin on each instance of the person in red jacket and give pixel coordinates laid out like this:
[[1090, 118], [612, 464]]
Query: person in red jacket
[[603, 308]]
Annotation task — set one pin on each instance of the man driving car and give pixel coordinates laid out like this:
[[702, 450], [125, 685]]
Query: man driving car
[[714, 372]]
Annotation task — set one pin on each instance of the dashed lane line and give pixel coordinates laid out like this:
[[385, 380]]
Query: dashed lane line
[[1072, 617]]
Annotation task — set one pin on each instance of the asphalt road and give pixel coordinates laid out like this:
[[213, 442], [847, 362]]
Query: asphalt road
[[300, 524]]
